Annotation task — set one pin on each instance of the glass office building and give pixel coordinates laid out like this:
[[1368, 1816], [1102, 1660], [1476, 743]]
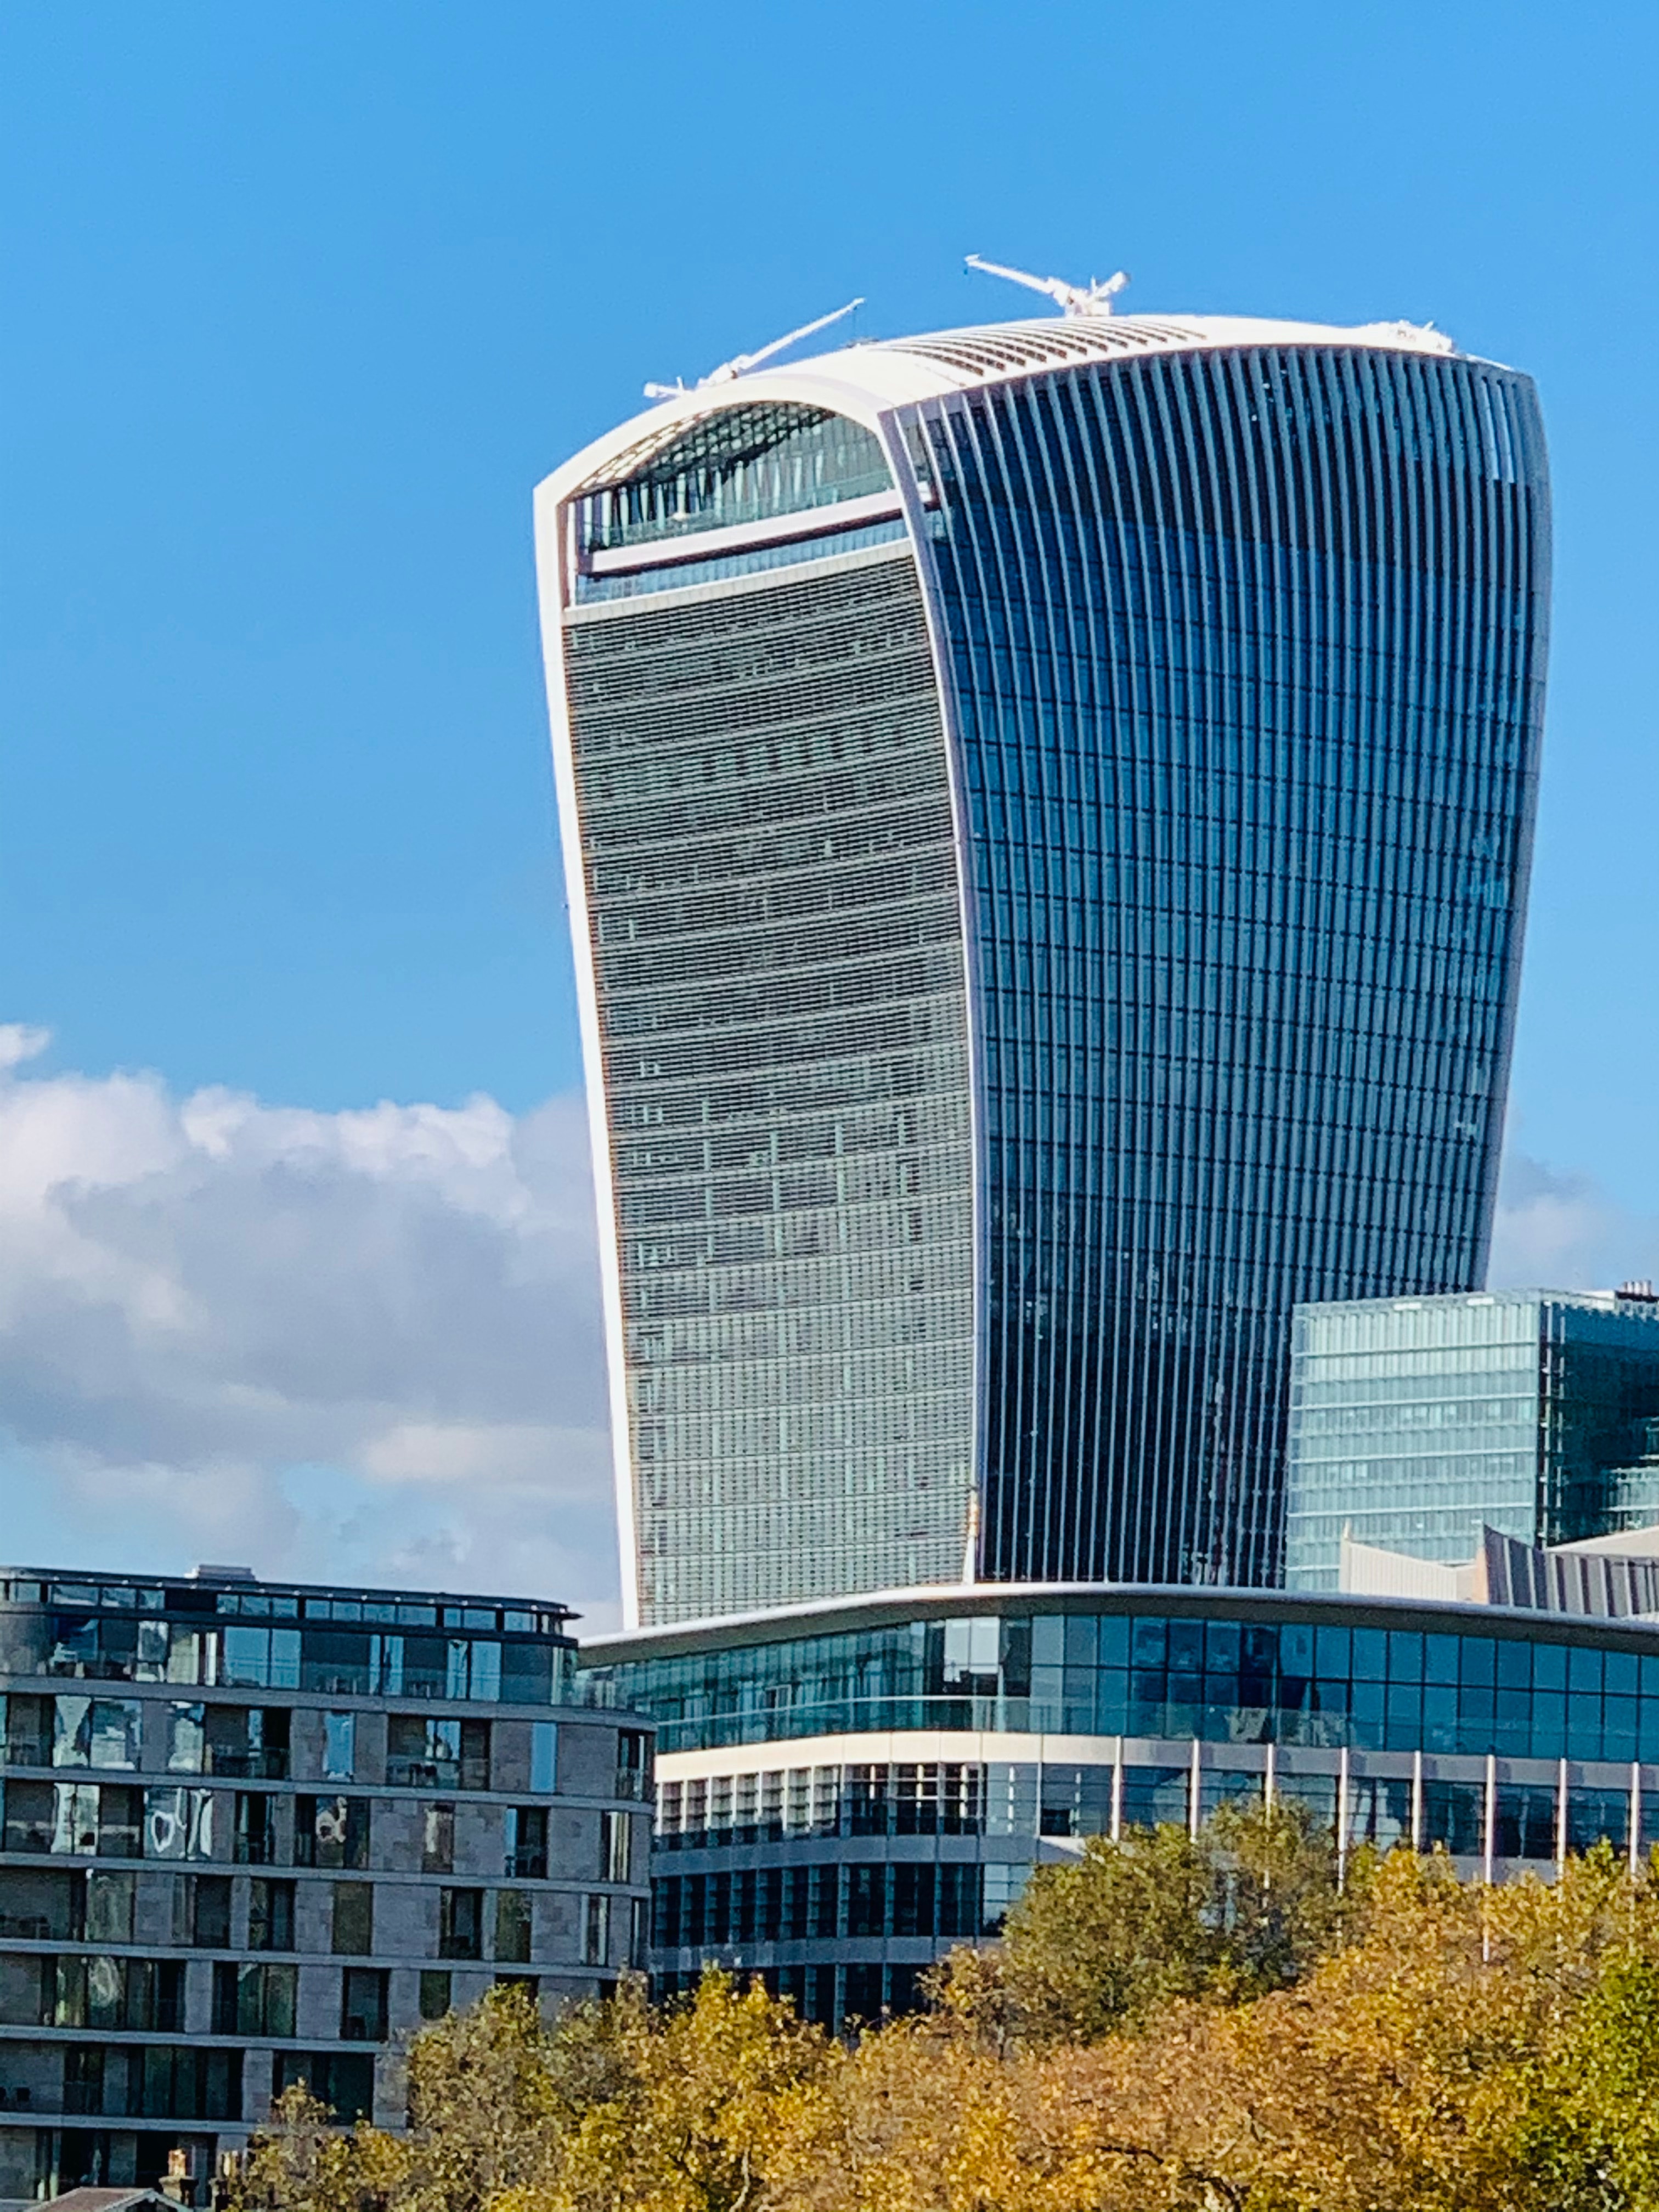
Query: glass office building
[[1415, 1421], [255, 1834], [845, 1791], [1047, 811]]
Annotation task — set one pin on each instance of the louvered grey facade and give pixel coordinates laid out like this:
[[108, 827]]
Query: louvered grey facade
[[1047, 813]]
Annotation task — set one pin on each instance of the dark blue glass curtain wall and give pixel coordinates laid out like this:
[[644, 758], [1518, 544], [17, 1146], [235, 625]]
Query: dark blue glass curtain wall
[[1245, 650]]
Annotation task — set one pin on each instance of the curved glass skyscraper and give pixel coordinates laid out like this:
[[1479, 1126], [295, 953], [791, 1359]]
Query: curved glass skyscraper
[[1047, 812]]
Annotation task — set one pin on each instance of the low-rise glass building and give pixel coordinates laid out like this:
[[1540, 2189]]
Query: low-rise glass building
[[1416, 1421], [255, 1832], [846, 1790]]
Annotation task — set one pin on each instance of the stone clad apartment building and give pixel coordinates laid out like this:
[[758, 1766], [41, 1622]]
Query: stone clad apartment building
[[254, 1834]]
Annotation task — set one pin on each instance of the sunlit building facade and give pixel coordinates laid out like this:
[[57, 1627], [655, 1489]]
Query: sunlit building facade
[[1417, 1422], [253, 1835], [1048, 812], [846, 1791]]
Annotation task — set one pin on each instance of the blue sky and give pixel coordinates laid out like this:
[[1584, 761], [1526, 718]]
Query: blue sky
[[302, 302]]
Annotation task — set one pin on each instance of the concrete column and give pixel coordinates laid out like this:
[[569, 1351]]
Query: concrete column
[[1193, 1814], [1417, 1801], [1342, 1819]]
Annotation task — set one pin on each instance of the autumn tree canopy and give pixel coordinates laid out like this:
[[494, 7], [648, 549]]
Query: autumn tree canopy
[[1171, 2025]]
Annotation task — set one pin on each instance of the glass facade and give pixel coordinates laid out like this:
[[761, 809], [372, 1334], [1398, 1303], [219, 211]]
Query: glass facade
[[1159, 966], [746, 463], [237, 1824], [1453, 1681], [1245, 656], [1414, 1422], [844, 1792], [777, 953]]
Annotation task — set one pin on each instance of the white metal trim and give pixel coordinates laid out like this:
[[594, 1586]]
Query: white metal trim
[[740, 537], [553, 549]]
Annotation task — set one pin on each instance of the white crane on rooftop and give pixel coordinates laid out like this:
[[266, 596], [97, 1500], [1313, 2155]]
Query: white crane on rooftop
[[729, 371], [1094, 298]]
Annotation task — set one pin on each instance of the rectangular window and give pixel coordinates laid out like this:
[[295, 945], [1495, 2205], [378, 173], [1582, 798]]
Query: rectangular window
[[438, 1840], [186, 1743], [28, 1730], [343, 2081], [639, 1934], [155, 1995], [526, 1842], [460, 1923], [544, 1756], [108, 1908], [435, 1985], [511, 1926], [363, 2005], [161, 2081], [31, 1816], [425, 1753], [615, 1830], [271, 1916], [1526, 1821], [475, 1754], [339, 1742], [75, 1825], [248, 1742], [596, 1931], [331, 1832], [255, 1839], [633, 1764], [177, 1823], [105, 1732], [209, 1912], [256, 2000], [354, 1918], [120, 1821], [116, 1995], [1454, 1814]]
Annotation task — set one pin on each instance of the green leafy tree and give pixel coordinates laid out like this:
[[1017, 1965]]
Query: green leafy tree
[[1101, 1943]]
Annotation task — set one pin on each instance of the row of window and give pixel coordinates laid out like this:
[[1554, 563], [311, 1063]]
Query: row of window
[[1097, 1673], [791, 553], [821, 1903], [1047, 487], [253, 1742], [263, 1603], [336, 1661], [252, 1828], [835, 668], [101, 1909], [1058, 1800]]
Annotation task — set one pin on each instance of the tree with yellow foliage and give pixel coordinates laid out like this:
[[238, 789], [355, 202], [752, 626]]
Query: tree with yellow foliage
[[1422, 2046]]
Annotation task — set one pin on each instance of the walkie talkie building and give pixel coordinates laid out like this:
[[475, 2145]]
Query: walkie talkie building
[[1048, 812]]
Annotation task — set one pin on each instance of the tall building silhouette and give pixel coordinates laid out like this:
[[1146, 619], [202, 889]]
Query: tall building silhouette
[[1047, 812]]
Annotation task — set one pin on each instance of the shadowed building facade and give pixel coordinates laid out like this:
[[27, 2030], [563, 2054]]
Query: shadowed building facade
[[1048, 811]]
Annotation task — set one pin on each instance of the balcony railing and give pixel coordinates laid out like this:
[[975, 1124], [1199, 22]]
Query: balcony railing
[[247, 1766], [438, 1773]]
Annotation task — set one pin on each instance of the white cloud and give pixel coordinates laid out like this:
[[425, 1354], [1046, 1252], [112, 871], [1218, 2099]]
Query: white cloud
[[366, 1345], [1564, 1232], [363, 1344], [18, 1043]]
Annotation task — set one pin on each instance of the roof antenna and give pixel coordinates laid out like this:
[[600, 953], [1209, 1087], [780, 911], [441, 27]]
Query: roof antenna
[[729, 371], [1091, 299]]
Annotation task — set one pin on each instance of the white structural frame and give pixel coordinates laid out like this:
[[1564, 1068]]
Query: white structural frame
[[867, 384]]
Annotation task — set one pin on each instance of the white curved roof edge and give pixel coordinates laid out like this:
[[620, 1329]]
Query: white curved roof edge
[[865, 380]]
